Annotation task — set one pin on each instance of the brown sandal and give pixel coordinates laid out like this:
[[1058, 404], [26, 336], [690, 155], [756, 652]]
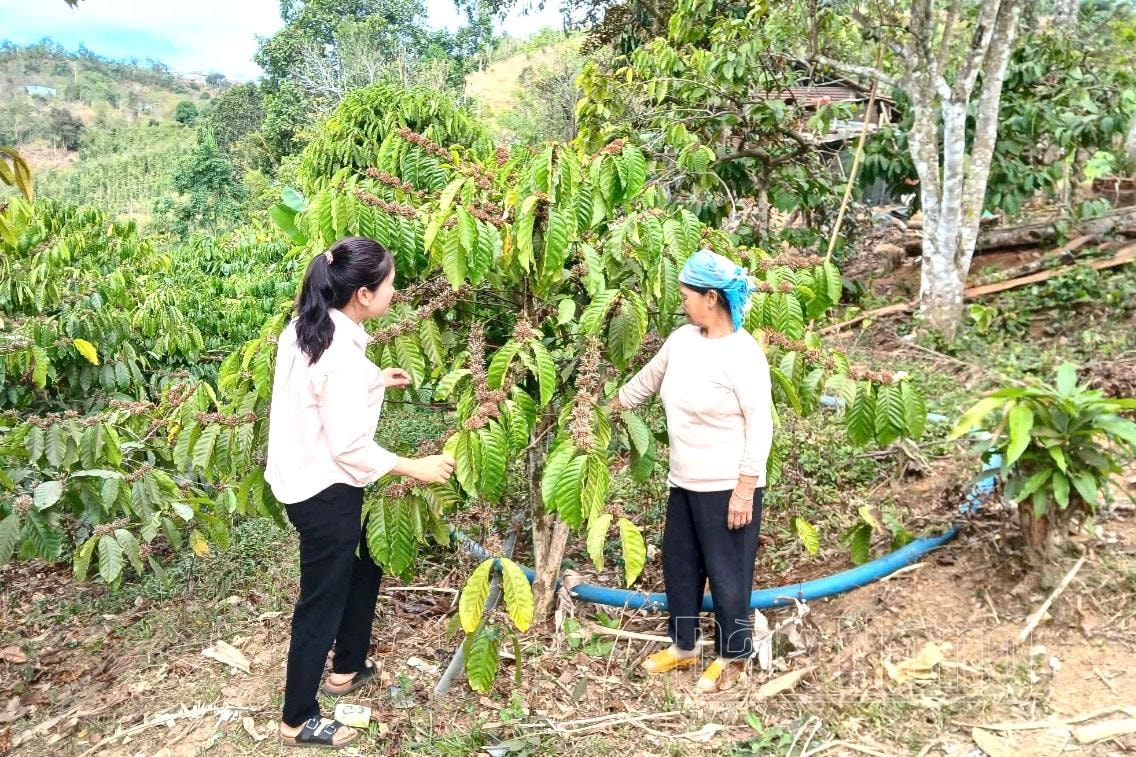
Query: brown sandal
[[362, 678]]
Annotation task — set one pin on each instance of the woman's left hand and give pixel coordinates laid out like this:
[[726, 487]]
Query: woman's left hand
[[740, 513], [395, 378]]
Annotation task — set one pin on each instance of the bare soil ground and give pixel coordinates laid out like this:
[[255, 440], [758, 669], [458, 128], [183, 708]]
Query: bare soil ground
[[42, 156], [75, 681]]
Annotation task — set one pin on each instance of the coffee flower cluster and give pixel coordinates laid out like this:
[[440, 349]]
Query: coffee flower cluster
[[142, 471], [481, 179], [587, 385], [392, 181], [177, 395], [223, 419], [487, 399], [428, 145], [134, 408], [106, 529], [614, 148], [433, 446], [789, 260], [486, 213], [390, 208], [438, 295], [817, 357], [398, 489], [767, 288], [50, 419], [652, 343], [524, 331]]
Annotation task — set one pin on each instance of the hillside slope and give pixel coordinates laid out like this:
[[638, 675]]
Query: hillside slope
[[96, 130], [497, 87]]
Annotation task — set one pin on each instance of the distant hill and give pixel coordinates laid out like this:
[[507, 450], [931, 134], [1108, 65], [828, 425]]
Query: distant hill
[[95, 130], [38, 76], [39, 82], [496, 87]]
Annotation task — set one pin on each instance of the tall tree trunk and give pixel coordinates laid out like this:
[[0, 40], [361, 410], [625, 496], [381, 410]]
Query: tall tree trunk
[[1130, 141], [953, 187], [986, 127]]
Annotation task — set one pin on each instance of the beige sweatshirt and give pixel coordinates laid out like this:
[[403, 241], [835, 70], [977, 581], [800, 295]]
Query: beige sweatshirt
[[716, 394]]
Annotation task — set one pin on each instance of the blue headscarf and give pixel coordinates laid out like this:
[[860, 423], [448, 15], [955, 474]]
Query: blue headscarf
[[709, 270]]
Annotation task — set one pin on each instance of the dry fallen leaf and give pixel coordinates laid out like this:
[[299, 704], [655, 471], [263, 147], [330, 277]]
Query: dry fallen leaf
[[227, 654], [704, 734], [13, 654], [250, 729], [1109, 729], [782, 683], [995, 746], [13, 711], [918, 668]]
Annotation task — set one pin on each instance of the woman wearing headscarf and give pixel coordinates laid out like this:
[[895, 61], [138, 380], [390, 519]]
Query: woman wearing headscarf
[[713, 380]]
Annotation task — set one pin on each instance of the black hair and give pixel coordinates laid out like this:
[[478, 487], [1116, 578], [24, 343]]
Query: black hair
[[332, 279], [723, 302]]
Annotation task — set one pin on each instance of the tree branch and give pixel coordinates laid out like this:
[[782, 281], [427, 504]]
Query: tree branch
[[753, 152], [866, 71], [979, 45], [948, 35]]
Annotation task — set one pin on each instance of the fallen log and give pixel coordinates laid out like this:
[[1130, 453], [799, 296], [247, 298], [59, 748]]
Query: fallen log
[[1063, 255], [1121, 221], [1123, 256]]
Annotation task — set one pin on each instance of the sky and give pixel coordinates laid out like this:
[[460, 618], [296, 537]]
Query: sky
[[192, 35]]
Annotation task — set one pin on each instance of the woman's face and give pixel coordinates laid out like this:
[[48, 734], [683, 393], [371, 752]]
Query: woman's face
[[699, 307], [374, 302]]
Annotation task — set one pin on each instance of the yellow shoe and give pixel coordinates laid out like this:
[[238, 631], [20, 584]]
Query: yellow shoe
[[712, 679], [661, 662]]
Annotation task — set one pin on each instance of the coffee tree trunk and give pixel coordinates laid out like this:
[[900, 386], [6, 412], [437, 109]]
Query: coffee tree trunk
[[549, 533]]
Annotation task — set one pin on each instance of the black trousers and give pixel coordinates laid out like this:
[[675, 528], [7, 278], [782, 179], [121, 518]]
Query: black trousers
[[338, 593], [698, 545]]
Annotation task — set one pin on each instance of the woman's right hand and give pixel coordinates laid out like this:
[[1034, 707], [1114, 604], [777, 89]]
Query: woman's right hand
[[433, 469]]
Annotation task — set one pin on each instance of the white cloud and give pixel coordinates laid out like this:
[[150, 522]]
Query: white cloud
[[189, 35], [197, 35]]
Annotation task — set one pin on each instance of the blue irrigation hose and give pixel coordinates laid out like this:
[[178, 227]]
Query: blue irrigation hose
[[820, 588]]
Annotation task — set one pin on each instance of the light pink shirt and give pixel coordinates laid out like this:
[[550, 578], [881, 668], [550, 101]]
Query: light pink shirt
[[716, 394], [321, 427]]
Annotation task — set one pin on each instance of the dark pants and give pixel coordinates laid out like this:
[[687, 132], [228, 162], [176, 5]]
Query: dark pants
[[697, 544], [338, 592]]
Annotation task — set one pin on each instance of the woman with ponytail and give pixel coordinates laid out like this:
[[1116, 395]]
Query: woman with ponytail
[[326, 400], [713, 380]]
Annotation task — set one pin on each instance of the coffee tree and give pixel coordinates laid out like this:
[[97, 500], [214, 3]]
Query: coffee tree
[[534, 283]]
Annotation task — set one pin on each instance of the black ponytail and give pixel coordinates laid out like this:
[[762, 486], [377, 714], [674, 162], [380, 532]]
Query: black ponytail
[[332, 279]]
